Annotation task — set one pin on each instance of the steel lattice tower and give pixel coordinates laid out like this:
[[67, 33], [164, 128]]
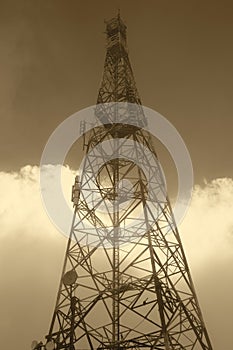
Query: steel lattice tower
[[125, 281]]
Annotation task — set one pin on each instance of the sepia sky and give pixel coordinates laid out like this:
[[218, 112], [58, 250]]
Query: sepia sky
[[52, 56]]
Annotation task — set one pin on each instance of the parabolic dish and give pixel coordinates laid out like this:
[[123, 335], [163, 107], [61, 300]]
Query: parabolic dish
[[49, 345], [70, 277]]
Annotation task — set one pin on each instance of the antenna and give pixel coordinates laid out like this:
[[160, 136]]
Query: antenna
[[70, 277]]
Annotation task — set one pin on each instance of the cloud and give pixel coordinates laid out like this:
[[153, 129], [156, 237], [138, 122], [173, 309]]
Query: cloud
[[207, 236], [208, 227], [32, 252]]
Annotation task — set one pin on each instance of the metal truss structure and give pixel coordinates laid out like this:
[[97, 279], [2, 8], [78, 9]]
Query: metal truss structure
[[125, 281]]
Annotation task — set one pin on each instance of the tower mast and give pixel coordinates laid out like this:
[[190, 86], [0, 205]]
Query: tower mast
[[125, 282]]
